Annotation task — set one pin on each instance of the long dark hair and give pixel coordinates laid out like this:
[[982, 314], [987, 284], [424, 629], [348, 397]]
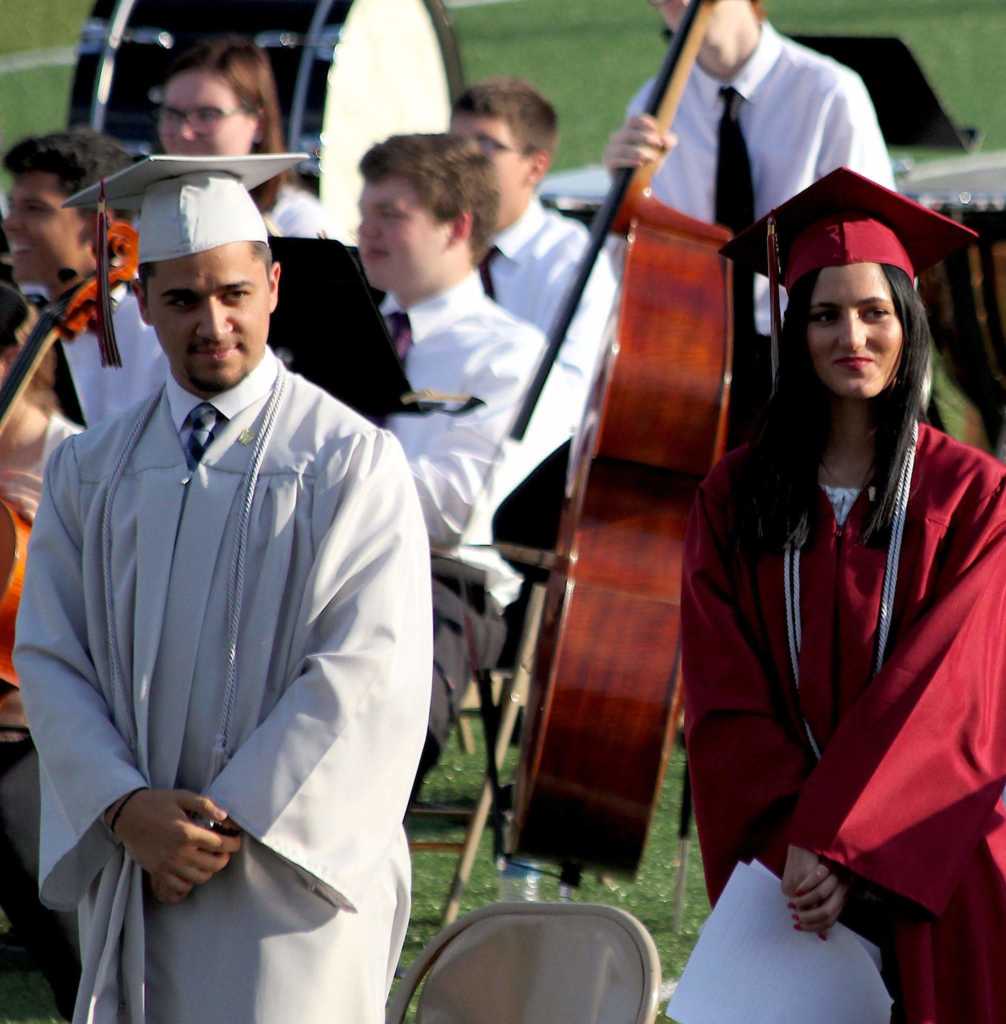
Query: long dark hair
[[777, 489]]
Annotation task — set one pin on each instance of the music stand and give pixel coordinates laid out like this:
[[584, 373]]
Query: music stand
[[328, 329], [908, 109]]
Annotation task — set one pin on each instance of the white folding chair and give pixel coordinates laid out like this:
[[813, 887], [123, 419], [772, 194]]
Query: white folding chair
[[535, 963]]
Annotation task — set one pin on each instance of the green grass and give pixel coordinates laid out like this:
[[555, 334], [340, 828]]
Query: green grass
[[590, 56], [24, 997], [40, 24], [35, 101], [32, 102], [649, 897]]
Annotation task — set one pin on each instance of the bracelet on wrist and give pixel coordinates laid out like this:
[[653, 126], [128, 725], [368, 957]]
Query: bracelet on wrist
[[122, 804]]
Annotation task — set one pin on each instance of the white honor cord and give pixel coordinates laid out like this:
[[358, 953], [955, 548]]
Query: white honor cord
[[791, 584], [237, 566], [236, 590], [111, 638], [791, 572]]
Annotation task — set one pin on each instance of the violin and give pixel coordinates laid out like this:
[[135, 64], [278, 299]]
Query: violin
[[66, 318]]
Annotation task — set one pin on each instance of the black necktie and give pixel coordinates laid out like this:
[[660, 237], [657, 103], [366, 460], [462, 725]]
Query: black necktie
[[485, 272], [735, 203], [401, 333]]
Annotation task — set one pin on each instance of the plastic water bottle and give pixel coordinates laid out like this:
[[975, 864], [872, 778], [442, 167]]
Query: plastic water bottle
[[518, 881]]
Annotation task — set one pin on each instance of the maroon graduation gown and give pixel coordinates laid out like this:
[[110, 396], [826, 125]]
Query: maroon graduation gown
[[907, 792]]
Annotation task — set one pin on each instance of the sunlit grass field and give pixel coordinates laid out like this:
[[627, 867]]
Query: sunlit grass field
[[589, 56]]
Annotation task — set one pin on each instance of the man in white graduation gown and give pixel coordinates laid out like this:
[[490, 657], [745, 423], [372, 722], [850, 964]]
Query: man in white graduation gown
[[224, 645]]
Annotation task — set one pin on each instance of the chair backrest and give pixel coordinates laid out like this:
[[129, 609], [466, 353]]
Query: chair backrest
[[535, 963]]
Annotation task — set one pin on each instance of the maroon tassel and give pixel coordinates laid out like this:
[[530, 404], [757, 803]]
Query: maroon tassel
[[105, 329]]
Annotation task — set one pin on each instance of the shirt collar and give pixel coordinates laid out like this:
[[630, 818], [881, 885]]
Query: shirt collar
[[255, 386], [438, 311], [760, 63], [511, 240], [751, 75]]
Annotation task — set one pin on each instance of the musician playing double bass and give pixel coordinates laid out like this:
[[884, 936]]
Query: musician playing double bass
[[761, 118], [535, 252]]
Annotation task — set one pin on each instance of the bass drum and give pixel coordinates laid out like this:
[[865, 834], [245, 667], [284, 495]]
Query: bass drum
[[359, 69], [387, 76], [966, 294]]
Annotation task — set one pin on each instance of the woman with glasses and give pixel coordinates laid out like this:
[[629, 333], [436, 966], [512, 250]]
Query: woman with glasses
[[842, 619], [220, 100]]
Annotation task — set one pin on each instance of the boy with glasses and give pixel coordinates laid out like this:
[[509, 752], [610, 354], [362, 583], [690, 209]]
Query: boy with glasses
[[535, 252]]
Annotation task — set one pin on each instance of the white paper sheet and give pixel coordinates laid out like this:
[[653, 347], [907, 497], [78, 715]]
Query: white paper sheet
[[751, 967]]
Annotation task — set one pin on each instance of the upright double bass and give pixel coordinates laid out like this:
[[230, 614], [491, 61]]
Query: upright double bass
[[600, 710]]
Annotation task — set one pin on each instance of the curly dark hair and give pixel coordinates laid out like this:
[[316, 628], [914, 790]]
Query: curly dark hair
[[78, 157], [13, 314]]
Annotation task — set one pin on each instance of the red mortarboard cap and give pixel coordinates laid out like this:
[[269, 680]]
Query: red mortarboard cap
[[845, 218]]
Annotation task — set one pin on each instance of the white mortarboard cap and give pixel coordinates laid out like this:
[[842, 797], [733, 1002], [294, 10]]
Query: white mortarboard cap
[[190, 204]]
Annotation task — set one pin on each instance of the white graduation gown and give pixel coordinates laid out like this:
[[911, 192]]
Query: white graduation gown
[[333, 671]]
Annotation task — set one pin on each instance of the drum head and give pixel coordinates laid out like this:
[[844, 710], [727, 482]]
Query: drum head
[[965, 294], [388, 76], [962, 184]]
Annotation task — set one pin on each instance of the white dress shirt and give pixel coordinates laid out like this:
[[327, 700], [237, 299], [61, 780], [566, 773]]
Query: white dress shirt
[[106, 391], [463, 343], [255, 386], [539, 255], [805, 114]]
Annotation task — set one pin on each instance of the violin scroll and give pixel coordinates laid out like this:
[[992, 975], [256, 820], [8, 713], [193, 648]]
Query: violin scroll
[[124, 256]]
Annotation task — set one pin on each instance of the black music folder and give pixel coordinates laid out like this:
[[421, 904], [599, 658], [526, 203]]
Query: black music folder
[[909, 111], [327, 327]]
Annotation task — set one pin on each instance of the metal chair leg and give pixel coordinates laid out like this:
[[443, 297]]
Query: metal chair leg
[[512, 697], [684, 845]]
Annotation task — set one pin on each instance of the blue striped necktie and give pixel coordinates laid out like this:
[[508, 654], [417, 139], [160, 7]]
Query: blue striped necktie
[[203, 419]]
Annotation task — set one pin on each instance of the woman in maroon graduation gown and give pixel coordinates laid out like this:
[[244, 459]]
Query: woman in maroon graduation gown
[[843, 614]]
